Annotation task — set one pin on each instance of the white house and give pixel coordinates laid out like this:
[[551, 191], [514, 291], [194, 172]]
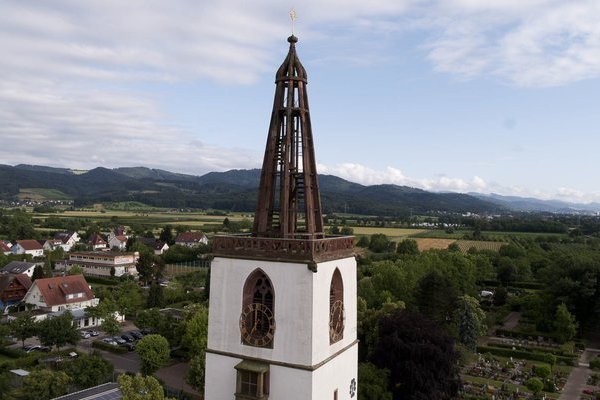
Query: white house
[[191, 239], [60, 293], [53, 244], [118, 242], [29, 246], [118, 231], [69, 239]]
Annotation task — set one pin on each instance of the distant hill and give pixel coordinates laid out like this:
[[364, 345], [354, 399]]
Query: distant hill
[[531, 204], [236, 190]]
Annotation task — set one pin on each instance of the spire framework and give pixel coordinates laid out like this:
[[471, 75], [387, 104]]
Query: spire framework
[[289, 202]]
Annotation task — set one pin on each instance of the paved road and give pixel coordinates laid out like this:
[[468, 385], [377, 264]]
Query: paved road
[[578, 378]]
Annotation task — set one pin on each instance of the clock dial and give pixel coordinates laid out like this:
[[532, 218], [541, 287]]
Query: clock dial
[[257, 325], [336, 321]]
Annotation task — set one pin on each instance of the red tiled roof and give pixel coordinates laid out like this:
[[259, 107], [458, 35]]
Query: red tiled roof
[[3, 246], [6, 279], [55, 290], [190, 237], [121, 238], [30, 244]]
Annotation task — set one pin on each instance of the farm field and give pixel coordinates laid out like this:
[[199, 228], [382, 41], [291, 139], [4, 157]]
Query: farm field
[[431, 243], [42, 194], [392, 233], [465, 245]]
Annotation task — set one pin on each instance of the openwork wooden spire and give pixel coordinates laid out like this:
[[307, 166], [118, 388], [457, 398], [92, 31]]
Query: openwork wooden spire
[[289, 203]]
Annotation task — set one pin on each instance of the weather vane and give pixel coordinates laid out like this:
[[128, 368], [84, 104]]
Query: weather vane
[[293, 17]]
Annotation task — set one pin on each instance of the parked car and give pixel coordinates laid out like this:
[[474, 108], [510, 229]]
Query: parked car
[[85, 334], [31, 348], [136, 334], [129, 346], [119, 340], [94, 333], [146, 331], [110, 341], [127, 337]]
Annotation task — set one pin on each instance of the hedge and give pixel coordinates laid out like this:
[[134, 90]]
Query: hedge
[[102, 281], [524, 335], [527, 355], [556, 352], [108, 347]]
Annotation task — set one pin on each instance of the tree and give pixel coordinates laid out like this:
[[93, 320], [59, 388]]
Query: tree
[[436, 297], [500, 296], [110, 325], [373, 382], [166, 235], [75, 270], [140, 387], [194, 339], [155, 296], [154, 353], [149, 266], [24, 327], [58, 331], [565, 324], [45, 384], [471, 321], [419, 355], [380, 243], [408, 247], [87, 371], [38, 273], [129, 298], [535, 385]]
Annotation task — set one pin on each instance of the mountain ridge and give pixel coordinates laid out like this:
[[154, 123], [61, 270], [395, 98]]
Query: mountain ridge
[[236, 190]]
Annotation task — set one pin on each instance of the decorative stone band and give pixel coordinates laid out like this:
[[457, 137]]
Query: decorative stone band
[[284, 364], [296, 249]]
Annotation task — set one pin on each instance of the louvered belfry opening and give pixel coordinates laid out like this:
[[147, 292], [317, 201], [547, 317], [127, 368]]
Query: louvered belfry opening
[[289, 203]]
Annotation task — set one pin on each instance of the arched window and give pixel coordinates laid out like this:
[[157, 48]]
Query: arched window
[[257, 322], [336, 308]]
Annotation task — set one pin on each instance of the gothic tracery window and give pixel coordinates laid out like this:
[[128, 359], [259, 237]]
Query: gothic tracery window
[[257, 322]]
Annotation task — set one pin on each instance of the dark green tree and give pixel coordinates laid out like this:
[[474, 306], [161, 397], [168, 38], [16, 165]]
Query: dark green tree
[[58, 331], [408, 247], [45, 384], [380, 243], [373, 382], [156, 296], [436, 297], [38, 273], [140, 387], [419, 355], [166, 235], [87, 371]]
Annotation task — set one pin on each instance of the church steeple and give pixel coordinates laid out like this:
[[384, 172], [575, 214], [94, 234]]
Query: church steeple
[[289, 202]]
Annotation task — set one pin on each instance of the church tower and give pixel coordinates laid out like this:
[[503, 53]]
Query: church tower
[[282, 317]]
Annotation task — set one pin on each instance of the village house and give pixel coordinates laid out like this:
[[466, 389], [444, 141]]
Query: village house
[[191, 239], [100, 263], [5, 248], [30, 246], [53, 244], [13, 288], [19, 267], [158, 246], [69, 239], [118, 242], [54, 296], [118, 231], [97, 242]]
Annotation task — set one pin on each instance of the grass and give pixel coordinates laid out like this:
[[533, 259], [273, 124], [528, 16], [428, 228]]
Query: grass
[[433, 243]]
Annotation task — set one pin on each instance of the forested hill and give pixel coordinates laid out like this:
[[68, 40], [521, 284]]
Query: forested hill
[[233, 190]]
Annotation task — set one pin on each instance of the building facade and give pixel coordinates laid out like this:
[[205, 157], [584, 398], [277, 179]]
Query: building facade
[[101, 263]]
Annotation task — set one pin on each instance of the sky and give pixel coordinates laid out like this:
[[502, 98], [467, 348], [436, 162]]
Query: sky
[[481, 96]]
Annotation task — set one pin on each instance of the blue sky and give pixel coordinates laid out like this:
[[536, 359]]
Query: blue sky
[[454, 95]]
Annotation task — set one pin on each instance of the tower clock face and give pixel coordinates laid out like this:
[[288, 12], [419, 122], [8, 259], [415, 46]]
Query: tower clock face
[[257, 325], [336, 321]]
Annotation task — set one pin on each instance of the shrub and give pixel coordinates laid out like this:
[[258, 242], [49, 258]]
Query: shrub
[[109, 347], [595, 364], [534, 384]]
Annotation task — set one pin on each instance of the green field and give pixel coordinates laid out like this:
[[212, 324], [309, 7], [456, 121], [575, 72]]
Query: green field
[[42, 194]]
